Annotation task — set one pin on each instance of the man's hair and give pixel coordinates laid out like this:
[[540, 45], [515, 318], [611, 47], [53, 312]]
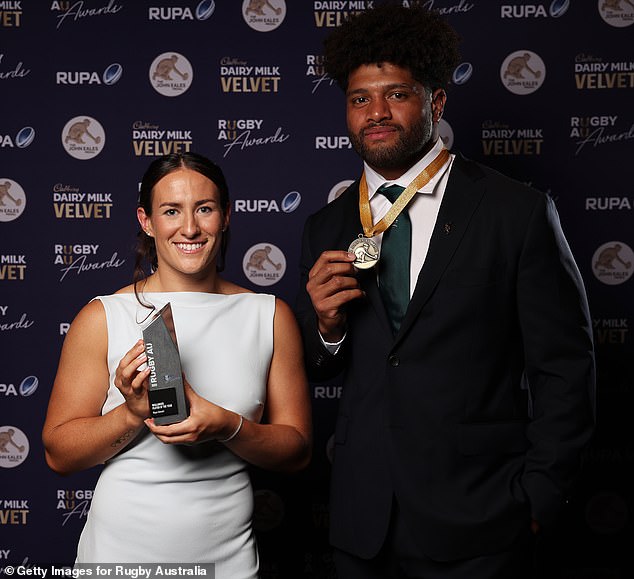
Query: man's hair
[[413, 38]]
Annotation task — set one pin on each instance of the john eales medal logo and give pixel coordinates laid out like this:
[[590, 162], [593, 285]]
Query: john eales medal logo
[[613, 263], [264, 15], [268, 510], [617, 13], [83, 137], [171, 74], [264, 264], [12, 199], [522, 72], [14, 447]]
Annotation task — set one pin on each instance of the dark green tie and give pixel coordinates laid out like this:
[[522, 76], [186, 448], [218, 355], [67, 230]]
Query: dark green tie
[[396, 248]]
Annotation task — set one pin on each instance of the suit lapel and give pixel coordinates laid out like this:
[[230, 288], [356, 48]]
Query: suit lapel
[[463, 193]]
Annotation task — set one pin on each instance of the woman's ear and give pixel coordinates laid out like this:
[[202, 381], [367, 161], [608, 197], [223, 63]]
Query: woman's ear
[[144, 221]]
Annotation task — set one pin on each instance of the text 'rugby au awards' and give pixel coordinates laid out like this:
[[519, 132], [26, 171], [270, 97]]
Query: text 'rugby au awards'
[[166, 392]]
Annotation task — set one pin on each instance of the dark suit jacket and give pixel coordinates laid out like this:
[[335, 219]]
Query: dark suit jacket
[[474, 416]]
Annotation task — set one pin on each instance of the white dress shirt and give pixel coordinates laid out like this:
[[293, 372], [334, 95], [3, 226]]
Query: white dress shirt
[[423, 211]]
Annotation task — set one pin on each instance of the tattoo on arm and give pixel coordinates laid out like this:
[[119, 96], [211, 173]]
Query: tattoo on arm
[[123, 438]]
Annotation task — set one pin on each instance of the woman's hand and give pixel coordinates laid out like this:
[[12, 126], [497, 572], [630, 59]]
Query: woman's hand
[[132, 382], [206, 421]]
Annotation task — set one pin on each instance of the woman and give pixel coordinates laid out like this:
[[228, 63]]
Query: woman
[[181, 492]]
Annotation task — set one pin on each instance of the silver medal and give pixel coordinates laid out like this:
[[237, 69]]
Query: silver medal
[[366, 252]]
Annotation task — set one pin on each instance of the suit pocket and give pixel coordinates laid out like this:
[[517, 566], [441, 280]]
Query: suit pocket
[[492, 438]]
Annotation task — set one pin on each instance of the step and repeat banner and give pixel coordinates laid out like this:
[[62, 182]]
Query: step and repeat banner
[[91, 91]]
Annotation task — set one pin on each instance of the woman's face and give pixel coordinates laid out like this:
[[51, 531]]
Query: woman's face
[[187, 223]]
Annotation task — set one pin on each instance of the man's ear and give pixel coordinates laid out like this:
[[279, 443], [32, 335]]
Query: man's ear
[[438, 100]]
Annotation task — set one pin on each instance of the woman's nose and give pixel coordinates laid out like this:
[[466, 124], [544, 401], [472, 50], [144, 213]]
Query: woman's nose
[[190, 226]]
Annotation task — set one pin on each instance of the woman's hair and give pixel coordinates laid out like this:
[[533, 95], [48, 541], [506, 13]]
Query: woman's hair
[[159, 168], [413, 38]]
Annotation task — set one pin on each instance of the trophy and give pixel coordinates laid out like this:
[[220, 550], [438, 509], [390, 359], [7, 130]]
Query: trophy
[[166, 392]]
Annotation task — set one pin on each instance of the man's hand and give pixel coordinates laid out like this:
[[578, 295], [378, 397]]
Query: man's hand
[[332, 283]]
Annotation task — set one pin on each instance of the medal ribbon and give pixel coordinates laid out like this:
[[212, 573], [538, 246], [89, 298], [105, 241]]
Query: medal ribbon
[[424, 177]]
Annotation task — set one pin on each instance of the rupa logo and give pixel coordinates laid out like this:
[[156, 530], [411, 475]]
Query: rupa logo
[[23, 138], [289, 203], [556, 9], [203, 11], [111, 75], [27, 387]]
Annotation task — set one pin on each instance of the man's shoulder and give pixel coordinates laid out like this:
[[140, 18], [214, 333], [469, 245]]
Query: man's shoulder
[[496, 183], [341, 205]]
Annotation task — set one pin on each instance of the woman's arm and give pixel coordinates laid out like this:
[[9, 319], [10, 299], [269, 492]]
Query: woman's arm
[[76, 436], [284, 440]]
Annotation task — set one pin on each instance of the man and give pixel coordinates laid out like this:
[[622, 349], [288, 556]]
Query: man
[[465, 409]]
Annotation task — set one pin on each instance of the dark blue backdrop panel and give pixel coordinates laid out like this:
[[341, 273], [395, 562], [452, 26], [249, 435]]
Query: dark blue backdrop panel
[[92, 91]]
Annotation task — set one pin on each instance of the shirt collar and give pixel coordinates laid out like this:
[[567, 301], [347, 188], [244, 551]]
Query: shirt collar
[[374, 180]]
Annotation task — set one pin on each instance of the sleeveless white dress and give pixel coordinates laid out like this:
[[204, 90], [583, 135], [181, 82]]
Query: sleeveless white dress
[[160, 503]]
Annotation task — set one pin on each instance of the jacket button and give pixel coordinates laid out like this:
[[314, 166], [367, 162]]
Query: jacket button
[[394, 361]]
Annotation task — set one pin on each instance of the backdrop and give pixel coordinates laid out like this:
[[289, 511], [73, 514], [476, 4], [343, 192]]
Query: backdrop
[[91, 91]]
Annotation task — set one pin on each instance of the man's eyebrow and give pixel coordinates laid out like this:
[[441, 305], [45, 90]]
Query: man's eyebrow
[[397, 85]]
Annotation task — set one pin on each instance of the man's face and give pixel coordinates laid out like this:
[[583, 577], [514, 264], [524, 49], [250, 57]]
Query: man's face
[[390, 117]]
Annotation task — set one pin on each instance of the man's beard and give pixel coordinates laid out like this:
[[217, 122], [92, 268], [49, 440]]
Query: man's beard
[[403, 153]]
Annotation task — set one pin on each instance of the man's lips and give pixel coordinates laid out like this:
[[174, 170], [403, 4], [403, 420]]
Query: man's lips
[[379, 132]]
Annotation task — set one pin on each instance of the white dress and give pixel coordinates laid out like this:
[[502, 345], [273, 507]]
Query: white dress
[[160, 503]]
